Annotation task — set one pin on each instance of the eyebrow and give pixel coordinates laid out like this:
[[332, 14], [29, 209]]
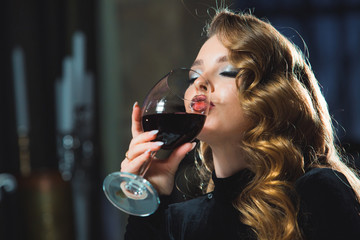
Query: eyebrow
[[199, 62]]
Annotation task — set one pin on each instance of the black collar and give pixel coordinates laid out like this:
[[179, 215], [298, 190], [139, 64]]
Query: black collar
[[230, 187]]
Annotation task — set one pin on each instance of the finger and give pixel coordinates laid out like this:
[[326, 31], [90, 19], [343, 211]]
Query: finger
[[135, 164], [142, 138], [136, 127], [139, 149]]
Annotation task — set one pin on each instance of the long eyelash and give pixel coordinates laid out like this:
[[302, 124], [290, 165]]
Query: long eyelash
[[192, 80], [229, 74]]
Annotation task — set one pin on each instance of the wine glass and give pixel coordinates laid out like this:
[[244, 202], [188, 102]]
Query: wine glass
[[177, 107]]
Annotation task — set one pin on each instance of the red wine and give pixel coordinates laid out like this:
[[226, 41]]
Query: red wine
[[175, 129]]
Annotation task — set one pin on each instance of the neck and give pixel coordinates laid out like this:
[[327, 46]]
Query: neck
[[228, 160]]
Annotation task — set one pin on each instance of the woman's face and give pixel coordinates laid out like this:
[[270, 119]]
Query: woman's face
[[225, 122]]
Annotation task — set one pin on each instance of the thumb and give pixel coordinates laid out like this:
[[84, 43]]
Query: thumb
[[179, 153]]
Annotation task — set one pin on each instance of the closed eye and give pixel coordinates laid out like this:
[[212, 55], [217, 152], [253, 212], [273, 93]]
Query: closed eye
[[193, 76], [230, 74]]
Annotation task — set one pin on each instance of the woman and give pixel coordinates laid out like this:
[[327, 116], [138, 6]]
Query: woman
[[269, 162]]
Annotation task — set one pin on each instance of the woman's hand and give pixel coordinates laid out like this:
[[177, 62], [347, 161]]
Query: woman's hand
[[161, 172]]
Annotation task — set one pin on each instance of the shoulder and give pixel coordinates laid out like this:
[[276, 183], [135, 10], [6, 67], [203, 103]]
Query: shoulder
[[328, 205], [320, 181], [326, 187], [322, 176]]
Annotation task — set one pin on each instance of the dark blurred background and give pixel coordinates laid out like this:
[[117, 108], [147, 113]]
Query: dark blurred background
[[53, 161]]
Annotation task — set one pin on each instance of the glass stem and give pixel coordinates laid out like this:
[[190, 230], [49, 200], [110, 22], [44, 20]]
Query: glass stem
[[146, 165]]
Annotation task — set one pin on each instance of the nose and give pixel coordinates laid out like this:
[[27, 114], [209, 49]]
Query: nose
[[203, 85]]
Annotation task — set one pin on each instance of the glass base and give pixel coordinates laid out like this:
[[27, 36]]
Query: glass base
[[131, 193]]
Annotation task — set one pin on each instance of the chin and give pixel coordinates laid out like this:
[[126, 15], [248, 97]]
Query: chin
[[206, 135], [202, 135]]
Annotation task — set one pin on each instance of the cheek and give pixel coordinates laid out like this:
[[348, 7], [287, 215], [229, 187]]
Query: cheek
[[230, 119], [227, 92], [224, 126], [189, 93], [235, 114], [227, 119]]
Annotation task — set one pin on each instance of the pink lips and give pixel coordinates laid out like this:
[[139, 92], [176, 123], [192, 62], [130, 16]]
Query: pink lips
[[199, 103]]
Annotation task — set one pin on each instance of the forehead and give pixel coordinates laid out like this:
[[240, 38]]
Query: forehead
[[212, 50]]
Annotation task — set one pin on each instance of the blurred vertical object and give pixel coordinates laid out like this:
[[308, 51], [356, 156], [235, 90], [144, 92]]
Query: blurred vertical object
[[75, 130], [44, 198], [22, 111]]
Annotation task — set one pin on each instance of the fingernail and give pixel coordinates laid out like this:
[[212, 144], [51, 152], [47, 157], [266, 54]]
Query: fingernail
[[193, 145], [153, 132], [135, 104], [147, 151], [159, 143]]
